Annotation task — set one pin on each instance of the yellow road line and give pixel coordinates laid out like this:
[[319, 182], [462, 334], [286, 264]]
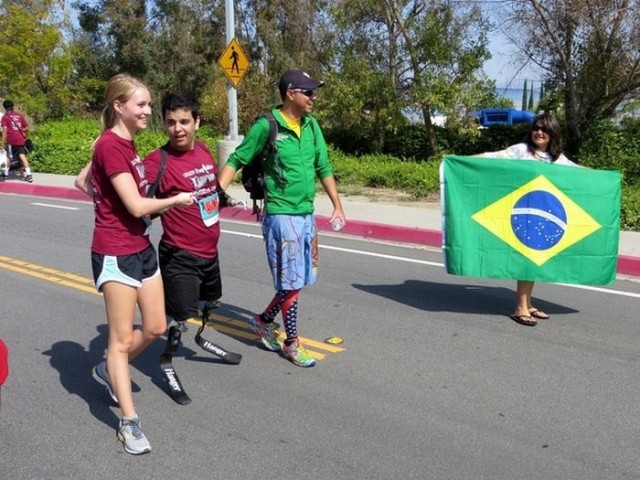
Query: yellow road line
[[251, 336], [50, 278], [47, 270], [306, 341], [221, 323]]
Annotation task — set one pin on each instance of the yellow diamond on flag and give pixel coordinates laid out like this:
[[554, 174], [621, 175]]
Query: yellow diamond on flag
[[537, 220]]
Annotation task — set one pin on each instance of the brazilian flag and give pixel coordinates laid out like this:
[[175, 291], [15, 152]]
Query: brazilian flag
[[530, 220]]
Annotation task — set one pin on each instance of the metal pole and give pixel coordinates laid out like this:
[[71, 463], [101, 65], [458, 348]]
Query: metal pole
[[232, 95], [227, 145]]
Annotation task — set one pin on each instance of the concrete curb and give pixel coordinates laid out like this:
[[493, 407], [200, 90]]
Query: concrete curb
[[37, 190], [627, 265]]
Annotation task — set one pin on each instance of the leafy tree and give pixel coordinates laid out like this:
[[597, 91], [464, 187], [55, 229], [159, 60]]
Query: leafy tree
[[276, 36], [359, 107], [113, 37], [432, 52], [186, 42], [95, 59], [35, 63], [126, 26], [589, 50], [282, 35], [171, 44]]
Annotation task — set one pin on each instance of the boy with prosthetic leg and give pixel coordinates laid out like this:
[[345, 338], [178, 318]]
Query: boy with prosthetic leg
[[188, 249]]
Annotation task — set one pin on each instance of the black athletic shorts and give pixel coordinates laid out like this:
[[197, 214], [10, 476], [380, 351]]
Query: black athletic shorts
[[129, 270], [16, 150], [188, 279]]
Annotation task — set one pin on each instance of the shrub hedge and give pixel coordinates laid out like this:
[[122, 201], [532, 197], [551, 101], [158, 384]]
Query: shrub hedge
[[64, 147]]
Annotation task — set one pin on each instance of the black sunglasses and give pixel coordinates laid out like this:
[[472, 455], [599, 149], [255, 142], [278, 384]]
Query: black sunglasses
[[539, 127], [306, 93]]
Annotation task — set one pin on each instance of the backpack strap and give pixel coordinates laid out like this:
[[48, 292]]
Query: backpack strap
[[253, 173], [163, 164], [270, 146]]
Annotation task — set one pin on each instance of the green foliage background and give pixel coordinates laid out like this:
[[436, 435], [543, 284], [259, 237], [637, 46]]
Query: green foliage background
[[64, 147]]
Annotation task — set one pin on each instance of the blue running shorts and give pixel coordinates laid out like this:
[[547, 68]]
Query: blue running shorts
[[291, 242]]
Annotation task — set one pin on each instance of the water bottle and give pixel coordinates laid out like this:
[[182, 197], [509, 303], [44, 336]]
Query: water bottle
[[336, 225]]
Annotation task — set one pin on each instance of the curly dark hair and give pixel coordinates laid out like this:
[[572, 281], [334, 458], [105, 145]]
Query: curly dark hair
[[551, 126], [180, 100]]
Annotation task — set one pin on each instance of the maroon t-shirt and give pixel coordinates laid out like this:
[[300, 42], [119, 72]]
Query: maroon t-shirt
[[15, 124], [116, 231], [191, 171]]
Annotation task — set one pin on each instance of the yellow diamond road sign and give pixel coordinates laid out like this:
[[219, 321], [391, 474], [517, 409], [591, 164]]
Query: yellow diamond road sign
[[234, 62]]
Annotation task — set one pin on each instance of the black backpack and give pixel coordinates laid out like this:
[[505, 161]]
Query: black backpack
[[253, 172]]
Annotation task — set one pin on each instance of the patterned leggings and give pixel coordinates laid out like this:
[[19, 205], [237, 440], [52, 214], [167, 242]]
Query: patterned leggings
[[287, 301]]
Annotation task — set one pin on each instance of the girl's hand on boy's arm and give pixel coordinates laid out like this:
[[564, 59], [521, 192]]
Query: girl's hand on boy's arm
[[83, 180]]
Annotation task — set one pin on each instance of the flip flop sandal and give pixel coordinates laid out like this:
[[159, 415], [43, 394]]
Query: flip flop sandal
[[524, 320], [534, 312]]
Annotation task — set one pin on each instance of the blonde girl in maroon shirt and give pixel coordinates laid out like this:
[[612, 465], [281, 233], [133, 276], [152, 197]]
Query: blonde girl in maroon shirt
[[124, 261]]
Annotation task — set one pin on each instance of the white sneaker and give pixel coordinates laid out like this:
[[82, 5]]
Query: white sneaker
[[130, 434]]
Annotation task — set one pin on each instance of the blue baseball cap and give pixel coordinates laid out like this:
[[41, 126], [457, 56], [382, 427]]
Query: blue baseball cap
[[297, 79]]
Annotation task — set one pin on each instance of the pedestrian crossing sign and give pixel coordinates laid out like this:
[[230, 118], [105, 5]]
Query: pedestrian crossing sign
[[234, 62]]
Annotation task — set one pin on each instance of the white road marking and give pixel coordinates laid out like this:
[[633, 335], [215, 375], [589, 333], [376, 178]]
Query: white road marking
[[437, 264], [54, 206]]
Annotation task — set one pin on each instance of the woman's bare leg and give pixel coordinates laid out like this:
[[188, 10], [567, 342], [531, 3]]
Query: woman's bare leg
[[524, 290], [120, 304]]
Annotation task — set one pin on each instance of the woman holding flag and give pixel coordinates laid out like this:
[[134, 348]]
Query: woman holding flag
[[543, 142]]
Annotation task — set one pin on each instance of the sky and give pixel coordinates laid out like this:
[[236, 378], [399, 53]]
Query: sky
[[503, 69]]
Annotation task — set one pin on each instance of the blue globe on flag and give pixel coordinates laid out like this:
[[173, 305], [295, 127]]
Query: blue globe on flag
[[539, 220]]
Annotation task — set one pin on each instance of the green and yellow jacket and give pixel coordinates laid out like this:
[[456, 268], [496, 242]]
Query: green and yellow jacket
[[290, 187]]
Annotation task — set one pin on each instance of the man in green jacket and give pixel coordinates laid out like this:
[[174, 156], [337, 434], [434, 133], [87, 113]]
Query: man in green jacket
[[288, 226]]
